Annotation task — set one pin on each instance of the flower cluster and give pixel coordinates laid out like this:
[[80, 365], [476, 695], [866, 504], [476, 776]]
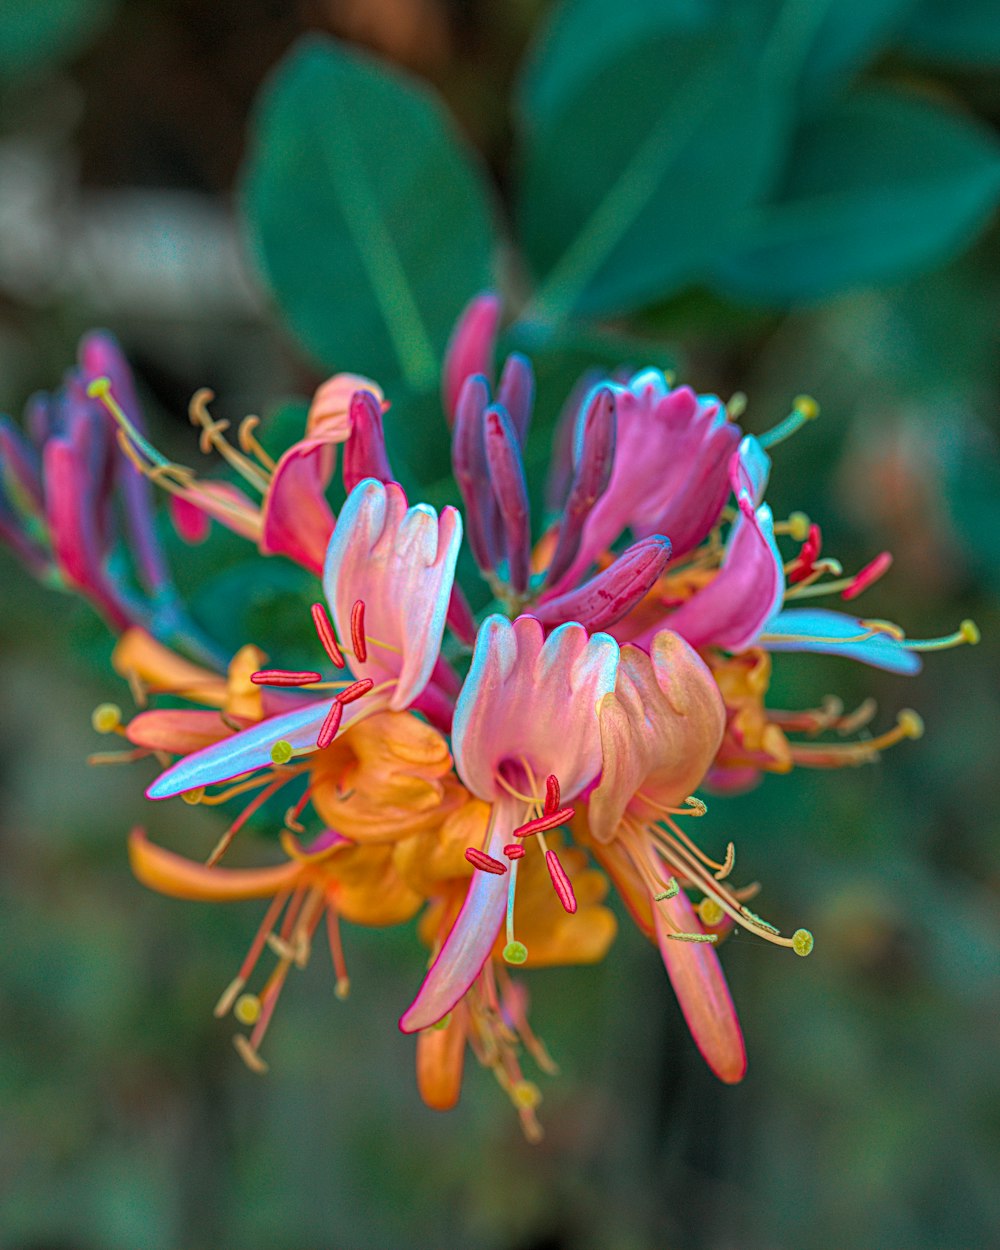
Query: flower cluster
[[469, 772]]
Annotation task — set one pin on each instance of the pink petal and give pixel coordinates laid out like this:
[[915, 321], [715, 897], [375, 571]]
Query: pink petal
[[531, 697], [701, 989], [401, 562]]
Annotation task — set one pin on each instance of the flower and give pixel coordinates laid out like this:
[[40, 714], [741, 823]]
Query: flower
[[623, 665]]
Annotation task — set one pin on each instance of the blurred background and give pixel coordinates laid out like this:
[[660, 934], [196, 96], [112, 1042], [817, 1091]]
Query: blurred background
[[776, 198]]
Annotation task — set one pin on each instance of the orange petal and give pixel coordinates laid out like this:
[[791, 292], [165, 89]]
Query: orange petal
[[178, 877], [160, 669], [440, 1060], [176, 730]]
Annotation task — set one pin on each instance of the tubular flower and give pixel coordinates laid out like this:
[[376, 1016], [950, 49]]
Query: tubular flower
[[623, 664]]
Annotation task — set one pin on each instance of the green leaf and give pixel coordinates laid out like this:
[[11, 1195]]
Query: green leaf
[[370, 223], [583, 35], [848, 36], [633, 184], [34, 34], [961, 32], [882, 185]]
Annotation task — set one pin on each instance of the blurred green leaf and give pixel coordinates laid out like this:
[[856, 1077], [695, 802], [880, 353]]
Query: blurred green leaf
[[880, 186], [370, 223], [633, 184], [847, 36], [34, 34], [583, 35], [955, 32]]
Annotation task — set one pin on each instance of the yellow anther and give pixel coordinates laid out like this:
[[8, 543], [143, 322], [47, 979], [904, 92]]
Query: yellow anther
[[695, 806], [247, 1009], [342, 988], [737, 406], [281, 752], [798, 526], [249, 1055], [710, 913], [806, 407], [98, 388], [106, 718], [910, 723], [970, 632], [693, 937], [515, 952], [802, 942], [194, 797], [525, 1095]]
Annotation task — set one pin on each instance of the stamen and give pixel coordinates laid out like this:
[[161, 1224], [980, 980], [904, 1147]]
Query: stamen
[[343, 984], [560, 882], [967, 632], [541, 823], [249, 1055], [868, 575], [729, 864], [514, 850], [282, 752], [106, 718], [248, 442], [804, 408], [838, 754], [224, 842], [284, 677], [358, 631], [356, 690], [234, 988], [693, 937], [211, 438], [293, 813], [486, 863], [328, 730], [552, 794], [670, 892], [328, 639], [710, 913]]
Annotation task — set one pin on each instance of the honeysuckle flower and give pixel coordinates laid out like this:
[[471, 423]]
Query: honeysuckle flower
[[624, 664], [526, 712], [397, 563]]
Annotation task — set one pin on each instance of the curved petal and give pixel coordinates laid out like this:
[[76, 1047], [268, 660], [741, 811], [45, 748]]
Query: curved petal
[[837, 633], [468, 945], [470, 348], [401, 562], [531, 697], [701, 989], [178, 730], [171, 874], [298, 521], [250, 749], [660, 730]]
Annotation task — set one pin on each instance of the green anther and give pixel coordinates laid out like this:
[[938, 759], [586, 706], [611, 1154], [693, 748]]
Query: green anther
[[669, 892], [762, 924], [802, 942], [106, 717], [281, 752], [442, 1023], [693, 937], [515, 953]]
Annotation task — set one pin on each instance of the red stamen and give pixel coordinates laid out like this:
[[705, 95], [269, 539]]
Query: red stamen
[[358, 631], [355, 691], [337, 953], [328, 730], [543, 823], [513, 850], [293, 813], [283, 677], [868, 575], [327, 637], [803, 565], [255, 805], [259, 942], [479, 859], [552, 794], [563, 886]]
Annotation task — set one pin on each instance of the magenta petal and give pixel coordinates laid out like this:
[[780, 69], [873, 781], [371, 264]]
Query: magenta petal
[[470, 348], [700, 985], [467, 946], [298, 521]]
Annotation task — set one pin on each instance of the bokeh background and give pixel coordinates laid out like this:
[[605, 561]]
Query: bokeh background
[[777, 198]]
